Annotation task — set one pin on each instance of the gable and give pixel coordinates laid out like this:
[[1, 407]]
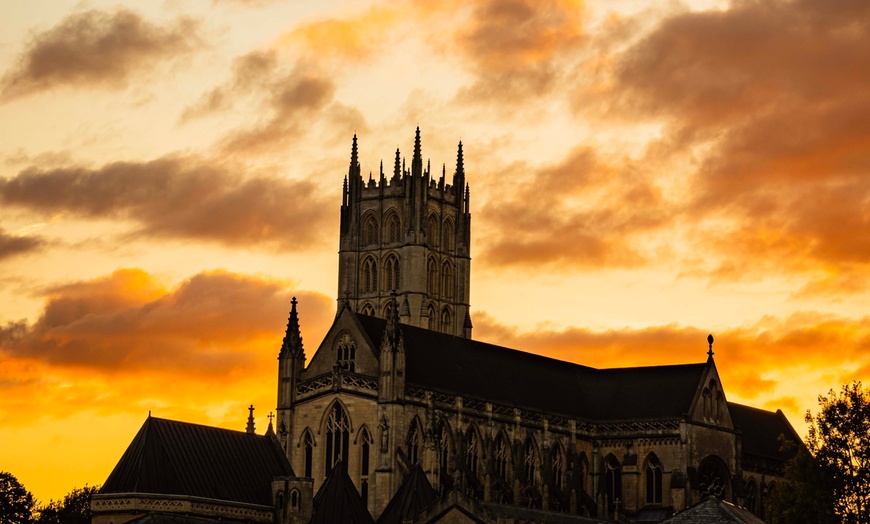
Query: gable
[[345, 328], [710, 406]]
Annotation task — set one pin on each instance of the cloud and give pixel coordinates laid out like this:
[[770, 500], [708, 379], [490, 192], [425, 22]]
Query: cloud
[[95, 48], [13, 245], [179, 197], [355, 38], [586, 213], [769, 96], [517, 48]]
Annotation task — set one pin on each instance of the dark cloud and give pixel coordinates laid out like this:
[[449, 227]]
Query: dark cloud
[[12, 245], [581, 212], [96, 48], [517, 48], [180, 197], [127, 322], [771, 95]]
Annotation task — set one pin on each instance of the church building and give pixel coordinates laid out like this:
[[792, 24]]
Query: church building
[[400, 415]]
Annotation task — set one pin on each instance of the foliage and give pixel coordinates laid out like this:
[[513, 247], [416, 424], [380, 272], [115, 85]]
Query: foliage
[[805, 495], [75, 508], [16, 503], [839, 438]]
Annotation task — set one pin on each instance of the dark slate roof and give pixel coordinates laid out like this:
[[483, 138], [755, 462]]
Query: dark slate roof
[[338, 502], [412, 497], [714, 511], [177, 458], [485, 371], [761, 430], [170, 518]]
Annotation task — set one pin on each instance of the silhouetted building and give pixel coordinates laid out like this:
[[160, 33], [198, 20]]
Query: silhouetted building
[[398, 393]]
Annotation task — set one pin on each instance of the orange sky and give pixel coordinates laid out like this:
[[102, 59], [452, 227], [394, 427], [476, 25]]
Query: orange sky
[[641, 174]]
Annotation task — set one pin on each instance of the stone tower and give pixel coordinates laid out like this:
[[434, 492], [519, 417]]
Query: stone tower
[[409, 234]]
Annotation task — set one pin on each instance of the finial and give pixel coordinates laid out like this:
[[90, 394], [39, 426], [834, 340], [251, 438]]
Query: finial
[[353, 153], [417, 155], [250, 429], [270, 429], [710, 341], [397, 165], [292, 346]]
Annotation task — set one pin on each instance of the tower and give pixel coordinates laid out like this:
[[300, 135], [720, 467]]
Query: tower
[[291, 362], [411, 234]]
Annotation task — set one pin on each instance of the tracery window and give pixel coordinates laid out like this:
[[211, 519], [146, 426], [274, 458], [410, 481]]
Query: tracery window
[[446, 280], [530, 461], [446, 321], [433, 317], [346, 352], [432, 277], [394, 229], [558, 466], [612, 482], [714, 478], [432, 230], [370, 231], [391, 273], [447, 236], [369, 275], [501, 457], [653, 480], [472, 451], [308, 453], [415, 443], [367, 309], [751, 499], [443, 453], [337, 436], [388, 309], [365, 464]]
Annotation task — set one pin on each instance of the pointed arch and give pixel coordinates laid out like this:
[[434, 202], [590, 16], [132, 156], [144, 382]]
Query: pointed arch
[[446, 279], [392, 228], [446, 320], [531, 461], [307, 443], [370, 234], [432, 276], [578, 474], [446, 448], [433, 317], [366, 441], [369, 275], [345, 352], [337, 429], [388, 309], [612, 481], [714, 479], [501, 454], [295, 500], [751, 498], [391, 272], [653, 479], [367, 309], [414, 441], [432, 230], [473, 451], [559, 464], [447, 235]]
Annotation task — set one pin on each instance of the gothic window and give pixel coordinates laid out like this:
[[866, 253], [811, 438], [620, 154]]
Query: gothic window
[[530, 461], [443, 452], [713, 477], [446, 280], [370, 231], [558, 466], [447, 235], [388, 309], [751, 501], [446, 321], [294, 499], [279, 501], [472, 451], [433, 317], [501, 457], [712, 396], [415, 443], [432, 230], [653, 480], [308, 453], [432, 277], [367, 309], [393, 228], [391, 273], [612, 482], [369, 275], [346, 352], [337, 437], [365, 464]]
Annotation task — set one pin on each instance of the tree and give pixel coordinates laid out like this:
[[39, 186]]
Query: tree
[[805, 495], [16, 503], [839, 438], [75, 508]]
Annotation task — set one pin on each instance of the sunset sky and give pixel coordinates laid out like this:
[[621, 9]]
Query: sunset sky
[[642, 174]]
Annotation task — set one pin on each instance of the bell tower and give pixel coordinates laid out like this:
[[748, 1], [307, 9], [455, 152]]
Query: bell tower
[[409, 234]]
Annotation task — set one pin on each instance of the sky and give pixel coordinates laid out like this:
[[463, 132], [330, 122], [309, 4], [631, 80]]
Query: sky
[[642, 174]]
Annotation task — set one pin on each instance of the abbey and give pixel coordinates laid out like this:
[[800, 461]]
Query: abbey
[[400, 415]]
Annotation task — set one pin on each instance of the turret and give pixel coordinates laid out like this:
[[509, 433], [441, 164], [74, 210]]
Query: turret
[[291, 361], [392, 372]]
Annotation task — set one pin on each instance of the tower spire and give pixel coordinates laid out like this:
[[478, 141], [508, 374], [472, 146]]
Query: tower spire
[[250, 428], [459, 175], [397, 166], [354, 154], [291, 347]]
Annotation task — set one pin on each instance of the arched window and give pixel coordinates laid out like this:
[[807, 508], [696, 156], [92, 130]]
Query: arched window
[[279, 501], [388, 309], [448, 236], [370, 231], [714, 478], [612, 482], [558, 466], [365, 464], [751, 500], [415, 443], [308, 453], [433, 317], [337, 436], [393, 228], [501, 456], [444, 446], [653, 480], [432, 230], [345, 352], [391, 273], [368, 309], [294, 499], [472, 452], [432, 277], [446, 321], [530, 461], [446, 280], [369, 275]]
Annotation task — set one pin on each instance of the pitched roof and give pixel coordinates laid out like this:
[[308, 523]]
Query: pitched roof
[[338, 502], [761, 430], [177, 458], [412, 497], [485, 371], [714, 511]]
